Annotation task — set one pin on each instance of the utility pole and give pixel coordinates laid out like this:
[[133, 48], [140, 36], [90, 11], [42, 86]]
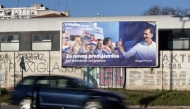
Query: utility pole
[[66, 6], [58, 6], [0, 94]]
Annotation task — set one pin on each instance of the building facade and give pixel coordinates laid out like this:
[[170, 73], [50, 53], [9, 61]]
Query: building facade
[[26, 12], [39, 41]]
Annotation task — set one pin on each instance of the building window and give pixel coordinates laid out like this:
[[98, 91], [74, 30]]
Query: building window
[[178, 40], [8, 12], [1, 12], [174, 39], [41, 42], [9, 42]]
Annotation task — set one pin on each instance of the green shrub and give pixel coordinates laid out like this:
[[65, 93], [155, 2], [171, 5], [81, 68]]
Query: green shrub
[[4, 91], [5, 95]]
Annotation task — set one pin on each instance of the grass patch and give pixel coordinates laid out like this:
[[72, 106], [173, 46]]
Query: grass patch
[[5, 95], [155, 97]]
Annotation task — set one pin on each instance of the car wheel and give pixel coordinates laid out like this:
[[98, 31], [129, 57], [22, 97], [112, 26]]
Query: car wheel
[[25, 104], [93, 104]]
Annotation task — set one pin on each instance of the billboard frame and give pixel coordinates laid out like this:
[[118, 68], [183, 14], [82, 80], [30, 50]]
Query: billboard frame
[[79, 20]]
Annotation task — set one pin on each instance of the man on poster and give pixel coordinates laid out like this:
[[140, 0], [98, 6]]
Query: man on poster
[[99, 47], [145, 51]]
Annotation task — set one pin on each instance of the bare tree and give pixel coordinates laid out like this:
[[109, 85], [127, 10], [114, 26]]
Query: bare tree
[[155, 10], [166, 11], [158, 10]]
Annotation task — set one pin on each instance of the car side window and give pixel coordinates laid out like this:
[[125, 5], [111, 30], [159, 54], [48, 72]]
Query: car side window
[[46, 82], [27, 82], [62, 83], [53, 82], [66, 83], [42, 81]]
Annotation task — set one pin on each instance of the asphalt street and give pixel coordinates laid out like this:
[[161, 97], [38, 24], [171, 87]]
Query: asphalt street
[[16, 107], [3, 106], [8, 107]]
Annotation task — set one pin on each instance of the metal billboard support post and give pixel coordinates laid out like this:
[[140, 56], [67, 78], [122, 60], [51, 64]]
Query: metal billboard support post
[[0, 95], [22, 74]]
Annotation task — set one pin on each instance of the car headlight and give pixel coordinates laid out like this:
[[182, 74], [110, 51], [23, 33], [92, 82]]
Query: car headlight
[[112, 99]]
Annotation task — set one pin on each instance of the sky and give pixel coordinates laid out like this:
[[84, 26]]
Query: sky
[[83, 8]]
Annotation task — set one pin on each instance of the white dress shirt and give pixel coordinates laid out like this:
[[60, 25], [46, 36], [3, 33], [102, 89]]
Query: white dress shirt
[[143, 52]]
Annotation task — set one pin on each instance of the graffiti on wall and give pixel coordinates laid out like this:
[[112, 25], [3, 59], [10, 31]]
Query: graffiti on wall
[[35, 63], [105, 77], [2, 79], [174, 70], [41, 62], [175, 59], [5, 63], [155, 78]]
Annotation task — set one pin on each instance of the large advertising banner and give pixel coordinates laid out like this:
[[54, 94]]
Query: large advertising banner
[[109, 44]]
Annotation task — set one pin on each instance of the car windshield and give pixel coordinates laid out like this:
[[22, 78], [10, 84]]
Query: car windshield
[[83, 84]]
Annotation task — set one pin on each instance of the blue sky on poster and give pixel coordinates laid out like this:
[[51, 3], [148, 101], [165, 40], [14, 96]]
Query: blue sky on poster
[[79, 8]]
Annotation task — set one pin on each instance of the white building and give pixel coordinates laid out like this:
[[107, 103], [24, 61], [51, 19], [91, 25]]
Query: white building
[[18, 37], [26, 12]]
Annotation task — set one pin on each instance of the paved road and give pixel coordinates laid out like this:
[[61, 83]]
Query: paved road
[[8, 107], [175, 107], [16, 107]]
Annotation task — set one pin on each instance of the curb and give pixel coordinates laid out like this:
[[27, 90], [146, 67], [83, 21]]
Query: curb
[[4, 103], [158, 107]]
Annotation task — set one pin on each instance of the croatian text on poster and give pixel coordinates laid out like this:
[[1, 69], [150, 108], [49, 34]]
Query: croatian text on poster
[[109, 44]]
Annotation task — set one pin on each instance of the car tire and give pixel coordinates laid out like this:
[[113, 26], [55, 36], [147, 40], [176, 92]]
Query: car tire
[[25, 103], [93, 104]]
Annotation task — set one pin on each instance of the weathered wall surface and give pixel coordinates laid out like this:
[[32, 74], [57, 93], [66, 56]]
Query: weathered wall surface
[[173, 73], [45, 62], [105, 77], [35, 62]]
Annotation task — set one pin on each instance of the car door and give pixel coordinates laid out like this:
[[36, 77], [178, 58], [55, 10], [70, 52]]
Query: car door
[[52, 92], [64, 93], [68, 93], [24, 88], [44, 89], [58, 92]]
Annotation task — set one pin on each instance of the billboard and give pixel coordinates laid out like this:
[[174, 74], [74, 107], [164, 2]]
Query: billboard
[[109, 44]]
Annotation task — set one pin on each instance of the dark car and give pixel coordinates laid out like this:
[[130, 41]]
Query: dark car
[[63, 92]]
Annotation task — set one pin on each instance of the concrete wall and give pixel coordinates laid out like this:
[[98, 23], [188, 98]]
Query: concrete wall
[[49, 24], [105, 77], [44, 62], [48, 62], [173, 73]]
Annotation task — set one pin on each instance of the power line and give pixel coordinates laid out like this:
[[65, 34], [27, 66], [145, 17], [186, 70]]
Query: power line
[[66, 6], [58, 6], [18, 4]]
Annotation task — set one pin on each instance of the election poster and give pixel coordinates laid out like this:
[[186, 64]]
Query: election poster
[[109, 44]]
